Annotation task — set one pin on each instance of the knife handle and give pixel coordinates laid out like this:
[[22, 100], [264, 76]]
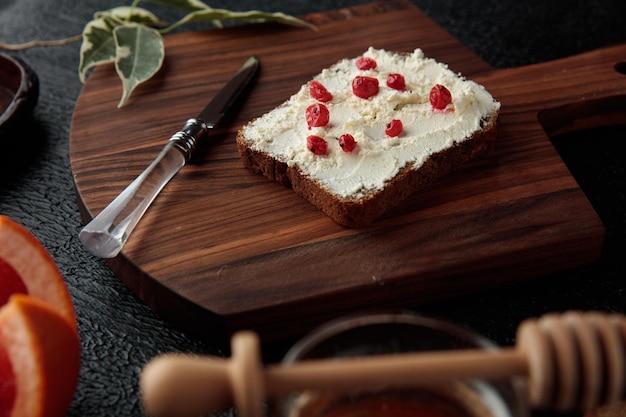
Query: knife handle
[[107, 233]]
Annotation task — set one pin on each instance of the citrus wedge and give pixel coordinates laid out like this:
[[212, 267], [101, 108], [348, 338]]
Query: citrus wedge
[[43, 351], [11, 282], [7, 384], [36, 270]]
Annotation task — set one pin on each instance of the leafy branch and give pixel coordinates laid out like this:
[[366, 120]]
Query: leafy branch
[[35, 43], [130, 37]]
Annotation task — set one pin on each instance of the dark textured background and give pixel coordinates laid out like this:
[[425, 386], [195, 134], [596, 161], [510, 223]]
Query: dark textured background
[[119, 333]]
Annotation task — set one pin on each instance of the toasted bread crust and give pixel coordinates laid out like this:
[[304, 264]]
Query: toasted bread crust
[[360, 212]]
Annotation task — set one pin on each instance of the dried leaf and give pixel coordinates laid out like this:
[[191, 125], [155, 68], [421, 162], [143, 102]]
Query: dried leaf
[[127, 37], [185, 5], [129, 14], [217, 15], [139, 55], [98, 46]]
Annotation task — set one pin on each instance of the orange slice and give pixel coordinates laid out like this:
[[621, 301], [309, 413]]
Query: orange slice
[[43, 351], [36, 268], [7, 384], [11, 282]]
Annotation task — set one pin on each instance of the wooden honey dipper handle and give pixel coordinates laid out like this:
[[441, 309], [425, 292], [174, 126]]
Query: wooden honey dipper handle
[[567, 357]]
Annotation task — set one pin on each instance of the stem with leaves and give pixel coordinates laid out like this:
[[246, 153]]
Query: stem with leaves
[[130, 37]]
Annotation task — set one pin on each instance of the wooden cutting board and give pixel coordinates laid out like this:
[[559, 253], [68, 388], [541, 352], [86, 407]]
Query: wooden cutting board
[[224, 249]]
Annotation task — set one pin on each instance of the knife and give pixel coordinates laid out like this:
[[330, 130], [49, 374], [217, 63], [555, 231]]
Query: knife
[[107, 233]]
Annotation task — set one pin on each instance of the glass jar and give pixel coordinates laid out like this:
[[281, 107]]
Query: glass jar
[[400, 333]]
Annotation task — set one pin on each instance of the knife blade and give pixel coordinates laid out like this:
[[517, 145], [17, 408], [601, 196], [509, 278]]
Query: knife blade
[[107, 233]]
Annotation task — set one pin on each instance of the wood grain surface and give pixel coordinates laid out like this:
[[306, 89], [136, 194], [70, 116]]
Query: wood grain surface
[[223, 249]]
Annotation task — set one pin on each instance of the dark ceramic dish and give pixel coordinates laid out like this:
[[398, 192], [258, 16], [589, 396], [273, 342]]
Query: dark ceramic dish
[[19, 90]]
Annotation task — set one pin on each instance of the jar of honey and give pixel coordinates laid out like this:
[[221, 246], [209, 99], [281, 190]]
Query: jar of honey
[[394, 334]]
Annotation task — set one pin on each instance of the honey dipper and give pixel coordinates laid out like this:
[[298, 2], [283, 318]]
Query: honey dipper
[[572, 361]]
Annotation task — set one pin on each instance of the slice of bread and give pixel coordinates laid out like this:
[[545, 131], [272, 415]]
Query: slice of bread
[[299, 144]]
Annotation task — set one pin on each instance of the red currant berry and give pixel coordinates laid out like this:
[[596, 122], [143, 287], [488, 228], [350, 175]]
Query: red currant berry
[[319, 92], [364, 87], [394, 128], [317, 115], [347, 142], [316, 145], [365, 63], [440, 97], [396, 81]]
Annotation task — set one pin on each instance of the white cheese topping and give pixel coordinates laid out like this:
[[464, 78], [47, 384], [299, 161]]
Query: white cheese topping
[[377, 158]]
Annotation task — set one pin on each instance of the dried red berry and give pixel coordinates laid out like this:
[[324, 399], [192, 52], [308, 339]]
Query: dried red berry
[[364, 87], [440, 97], [396, 81], [347, 142], [316, 145], [394, 128], [365, 63], [317, 115], [319, 92]]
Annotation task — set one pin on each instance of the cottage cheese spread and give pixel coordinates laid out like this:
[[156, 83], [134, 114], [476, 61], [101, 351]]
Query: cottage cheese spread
[[377, 158]]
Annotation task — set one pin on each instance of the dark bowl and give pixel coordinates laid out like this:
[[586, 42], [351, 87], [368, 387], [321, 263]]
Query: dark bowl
[[19, 90]]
